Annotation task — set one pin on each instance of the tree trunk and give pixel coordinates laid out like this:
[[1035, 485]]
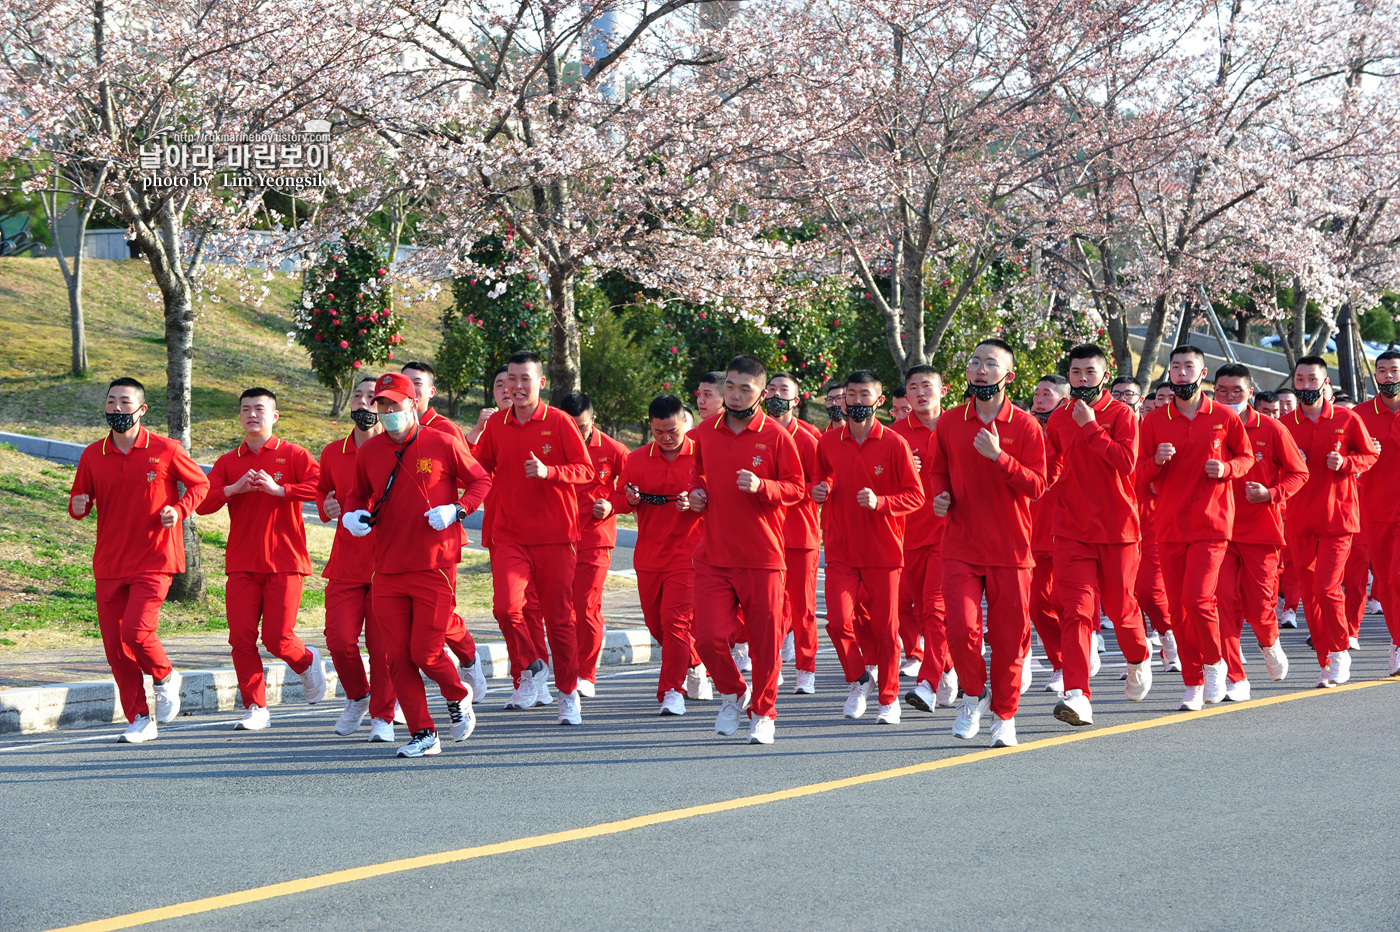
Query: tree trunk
[[340, 393], [1348, 372], [1152, 341], [75, 319], [912, 290], [564, 349]]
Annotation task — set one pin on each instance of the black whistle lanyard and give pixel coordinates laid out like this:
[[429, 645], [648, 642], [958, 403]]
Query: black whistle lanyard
[[393, 474]]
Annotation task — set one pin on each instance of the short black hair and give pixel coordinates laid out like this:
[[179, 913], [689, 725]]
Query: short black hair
[[1186, 349], [1235, 370], [999, 344], [1311, 361], [127, 381], [712, 378], [524, 356], [1279, 393], [1053, 378], [1388, 355], [575, 403], [1341, 396], [864, 377], [1127, 380], [257, 391], [898, 392], [833, 387], [922, 370], [500, 370], [785, 375], [1267, 398], [419, 366], [1088, 351], [748, 365], [663, 407], [366, 378]]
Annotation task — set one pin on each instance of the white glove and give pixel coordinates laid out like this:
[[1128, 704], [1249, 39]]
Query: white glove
[[356, 522], [442, 517]]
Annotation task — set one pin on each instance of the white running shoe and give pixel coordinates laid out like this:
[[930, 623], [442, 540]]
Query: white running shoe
[[1057, 683], [351, 716], [139, 731], [1395, 660], [673, 703], [313, 678], [1237, 692], [947, 692], [1074, 709], [381, 731], [475, 677], [854, 706], [524, 695], [1026, 675], [1275, 661], [761, 731], [1003, 732], [1171, 657], [1098, 637], [1353, 644], [922, 697], [1373, 607], [1139, 681], [587, 688], [570, 709], [1193, 700], [806, 683], [727, 721], [424, 744], [1324, 678], [1216, 679], [968, 721], [742, 659], [168, 698], [542, 694], [1154, 639], [789, 654], [697, 684], [463, 719], [1095, 662], [910, 667], [889, 714], [1339, 666], [1288, 619], [255, 718], [399, 718]]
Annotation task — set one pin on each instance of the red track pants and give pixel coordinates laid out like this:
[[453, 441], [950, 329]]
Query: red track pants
[[128, 614], [911, 626], [590, 572], [348, 611], [1383, 539], [880, 585], [273, 599], [668, 605], [1290, 587], [1086, 575], [1151, 589], [1044, 618], [1321, 564], [800, 605], [720, 592], [1246, 592], [924, 568], [1191, 571], [1356, 579], [413, 611], [1007, 590], [550, 567]]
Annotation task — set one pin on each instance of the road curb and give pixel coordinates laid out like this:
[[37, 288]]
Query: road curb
[[35, 709]]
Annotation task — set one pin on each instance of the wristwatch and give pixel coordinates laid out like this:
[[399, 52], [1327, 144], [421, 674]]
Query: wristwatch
[[461, 514]]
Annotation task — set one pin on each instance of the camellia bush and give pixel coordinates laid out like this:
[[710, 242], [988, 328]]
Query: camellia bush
[[346, 318]]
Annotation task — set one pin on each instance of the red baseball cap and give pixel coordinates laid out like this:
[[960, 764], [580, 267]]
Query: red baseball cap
[[396, 387]]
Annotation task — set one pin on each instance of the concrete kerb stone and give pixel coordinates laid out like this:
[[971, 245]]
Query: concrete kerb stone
[[35, 709]]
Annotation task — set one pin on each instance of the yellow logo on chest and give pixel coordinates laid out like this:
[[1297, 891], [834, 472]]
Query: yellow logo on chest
[[424, 466]]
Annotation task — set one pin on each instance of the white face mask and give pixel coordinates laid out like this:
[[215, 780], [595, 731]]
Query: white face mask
[[1239, 408], [395, 421]]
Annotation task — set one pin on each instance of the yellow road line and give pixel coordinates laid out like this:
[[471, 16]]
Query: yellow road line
[[335, 878]]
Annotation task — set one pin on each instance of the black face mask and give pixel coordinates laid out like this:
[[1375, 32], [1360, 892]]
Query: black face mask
[[1389, 390], [364, 419], [1307, 397], [742, 414], [1186, 392], [1088, 393], [1042, 416], [777, 407], [986, 392], [120, 422], [835, 413], [860, 412]]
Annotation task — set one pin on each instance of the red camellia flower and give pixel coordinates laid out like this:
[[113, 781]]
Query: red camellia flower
[[355, 364], [806, 395], [673, 349], [391, 355], [665, 384], [319, 338], [382, 272], [344, 344]]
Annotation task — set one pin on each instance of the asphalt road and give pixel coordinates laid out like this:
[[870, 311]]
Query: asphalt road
[[1270, 816]]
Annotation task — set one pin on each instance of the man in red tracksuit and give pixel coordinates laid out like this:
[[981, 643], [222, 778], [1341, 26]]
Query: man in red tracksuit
[[801, 537], [130, 478], [1380, 503], [264, 482], [1093, 442], [865, 475], [654, 478], [1326, 513], [1189, 452], [747, 472], [407, 482], [1249, 572], [988, 466], [1050, 393], [537, 460], [348, 573], [922, 577]]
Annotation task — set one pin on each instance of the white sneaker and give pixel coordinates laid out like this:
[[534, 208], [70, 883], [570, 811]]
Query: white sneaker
[[855, 699], [1216, 679], [570, 709], [1237, 692], [1275, 661], [475, 677], [968, 721], [1098, 637], [1171, 657], [313, 679], [742, 660], [255, 718], [1095, 663], [399, 718], [139, 731], [1288, 619], [761, 731], [1339, 666], [789, 654], [1057, 683], [381, 731], [1074, 709], [806, 683], [587, 688], [697, 684], [542, 694], [1373, 607], [168, 698], [922, 697], [1395, 660], [747, 699], [1193, 700], [673, 703], [1353, 644], [1324, 678], [1026, 675], [1139, 681], [947, 691], [1003, 732], [910, 667], [424, 744], [727, 721], [463, 719], [1154, 639], [351, 716], [524, 695], [889, 714]]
